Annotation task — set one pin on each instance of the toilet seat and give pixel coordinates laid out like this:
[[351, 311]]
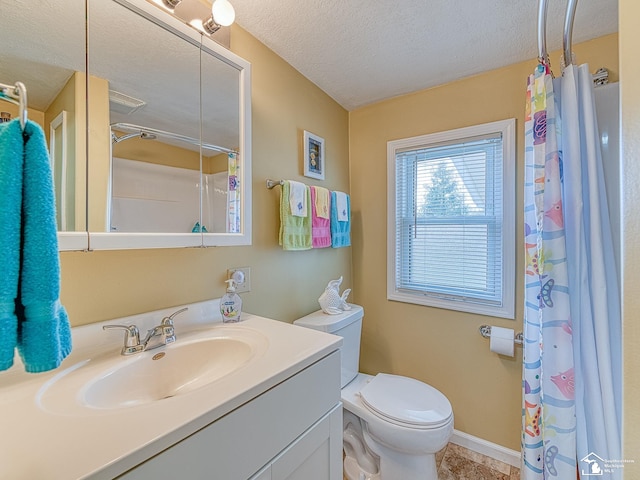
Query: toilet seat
[[406, 402]]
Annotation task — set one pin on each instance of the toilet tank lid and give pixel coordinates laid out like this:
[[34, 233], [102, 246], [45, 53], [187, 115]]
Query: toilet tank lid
[[319, 320]]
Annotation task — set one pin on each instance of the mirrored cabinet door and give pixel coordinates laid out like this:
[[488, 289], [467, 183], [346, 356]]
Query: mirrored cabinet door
[[169, 130], [226, 163], [144, 125], [221, 141], [42, 44]]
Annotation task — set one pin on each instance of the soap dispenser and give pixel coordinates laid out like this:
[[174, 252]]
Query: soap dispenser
[[230, 303]]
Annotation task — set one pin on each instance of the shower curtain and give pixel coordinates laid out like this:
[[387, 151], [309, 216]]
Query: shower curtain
[[549, 424], [572, 364]]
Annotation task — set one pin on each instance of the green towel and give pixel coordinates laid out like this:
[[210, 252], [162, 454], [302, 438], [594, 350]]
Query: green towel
[[295, 232]]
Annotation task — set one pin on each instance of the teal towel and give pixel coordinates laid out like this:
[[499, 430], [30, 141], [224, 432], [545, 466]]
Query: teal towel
[[43, 333], [340, 231], [11, 154], [295, 232]]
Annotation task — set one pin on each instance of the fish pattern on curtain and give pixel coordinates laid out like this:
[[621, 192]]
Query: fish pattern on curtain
[[548, 409]]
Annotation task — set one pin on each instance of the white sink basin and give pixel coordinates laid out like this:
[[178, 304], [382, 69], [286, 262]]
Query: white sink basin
[[192, 362], [176, 370]]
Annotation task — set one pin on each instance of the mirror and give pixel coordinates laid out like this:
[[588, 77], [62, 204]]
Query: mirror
[[142, 181], [50, 61], [170, 152], [152, 178], [227, 169]]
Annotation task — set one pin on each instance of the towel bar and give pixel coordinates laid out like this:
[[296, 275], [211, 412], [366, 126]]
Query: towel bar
[[273, 183]]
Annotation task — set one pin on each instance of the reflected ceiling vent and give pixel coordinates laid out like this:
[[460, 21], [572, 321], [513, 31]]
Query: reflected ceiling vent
[[121, 103]]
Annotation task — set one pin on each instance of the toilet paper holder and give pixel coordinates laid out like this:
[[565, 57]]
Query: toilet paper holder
[[485, 331]]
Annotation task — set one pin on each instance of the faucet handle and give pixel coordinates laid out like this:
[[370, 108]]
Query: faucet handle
[[131, 338], [169, 320], [166, 326]]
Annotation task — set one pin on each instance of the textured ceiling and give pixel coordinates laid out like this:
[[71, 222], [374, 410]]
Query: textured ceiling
[[363, 51]]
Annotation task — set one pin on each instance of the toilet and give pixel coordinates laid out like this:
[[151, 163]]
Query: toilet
[[393, 426]]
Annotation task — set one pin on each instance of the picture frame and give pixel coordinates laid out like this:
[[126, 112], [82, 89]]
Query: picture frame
[[313, 156]]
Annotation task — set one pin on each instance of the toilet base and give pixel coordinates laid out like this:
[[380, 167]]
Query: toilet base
[[368, 459], [352, 471], [395, 465]]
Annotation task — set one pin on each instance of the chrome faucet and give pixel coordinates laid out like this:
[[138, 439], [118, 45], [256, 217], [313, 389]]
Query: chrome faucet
[[131, 338], [158, 336], [163, 334]]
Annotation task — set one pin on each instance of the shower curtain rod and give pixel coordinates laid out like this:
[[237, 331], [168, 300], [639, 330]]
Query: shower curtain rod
[[543, 54], [174, 136], [16, 94], [568, 31]]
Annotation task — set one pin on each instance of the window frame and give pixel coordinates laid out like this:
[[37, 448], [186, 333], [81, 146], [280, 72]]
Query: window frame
[[506, 308]]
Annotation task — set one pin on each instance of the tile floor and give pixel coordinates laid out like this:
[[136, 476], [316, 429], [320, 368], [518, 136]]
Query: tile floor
[[458, 463]]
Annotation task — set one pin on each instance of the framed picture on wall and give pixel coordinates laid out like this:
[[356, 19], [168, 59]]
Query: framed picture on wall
[[313, 156]]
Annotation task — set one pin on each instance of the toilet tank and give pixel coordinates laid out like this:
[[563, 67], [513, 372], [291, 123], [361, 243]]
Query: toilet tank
[[348, 325]]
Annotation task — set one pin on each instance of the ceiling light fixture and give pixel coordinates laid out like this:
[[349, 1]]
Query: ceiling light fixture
[[168, 5], [171, 4], [222, 15]]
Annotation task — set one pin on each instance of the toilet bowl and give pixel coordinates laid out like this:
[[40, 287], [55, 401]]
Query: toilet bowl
[[393, 425]]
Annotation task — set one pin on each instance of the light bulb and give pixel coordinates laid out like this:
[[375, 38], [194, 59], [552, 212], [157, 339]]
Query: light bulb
[[168, 5], [223, 12], [197, 24]]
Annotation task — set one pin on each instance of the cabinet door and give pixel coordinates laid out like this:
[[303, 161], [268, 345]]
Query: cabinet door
[[264, 474], [316, 454]]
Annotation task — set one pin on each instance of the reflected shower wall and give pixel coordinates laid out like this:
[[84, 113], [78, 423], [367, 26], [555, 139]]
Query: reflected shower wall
[[152, 198], [607, 99], [214, 201]]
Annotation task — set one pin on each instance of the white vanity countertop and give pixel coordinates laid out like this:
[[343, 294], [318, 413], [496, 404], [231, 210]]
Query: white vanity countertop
[[85, 442]]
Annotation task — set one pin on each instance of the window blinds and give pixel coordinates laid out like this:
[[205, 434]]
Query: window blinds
[[449, 220]]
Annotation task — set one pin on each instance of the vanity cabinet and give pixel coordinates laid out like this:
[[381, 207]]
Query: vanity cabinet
[[292, 431], [309, 457]]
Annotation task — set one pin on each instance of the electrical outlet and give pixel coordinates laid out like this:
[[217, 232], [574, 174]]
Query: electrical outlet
[[242, 284]]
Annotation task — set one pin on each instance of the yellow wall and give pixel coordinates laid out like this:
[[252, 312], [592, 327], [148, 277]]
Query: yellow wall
[[285, 285], [442, 347], [156, 152], [81, 151], [98, 166], [66, 101], [216, 163], [34, 115], [629, 11]]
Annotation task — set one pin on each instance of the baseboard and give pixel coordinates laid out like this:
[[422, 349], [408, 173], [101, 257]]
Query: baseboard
[[484, 447]]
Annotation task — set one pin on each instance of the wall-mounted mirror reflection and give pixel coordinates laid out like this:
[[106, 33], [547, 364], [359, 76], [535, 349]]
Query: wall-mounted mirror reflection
[[147, 79], [222, 166], [51, 63], [162, 147], [142, 200], [147, 74]]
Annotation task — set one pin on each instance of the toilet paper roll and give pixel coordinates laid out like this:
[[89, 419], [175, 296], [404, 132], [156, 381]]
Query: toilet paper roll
[[502, 341]]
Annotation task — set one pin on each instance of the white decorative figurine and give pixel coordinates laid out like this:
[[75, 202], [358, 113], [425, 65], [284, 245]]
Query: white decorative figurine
[[331, 301]]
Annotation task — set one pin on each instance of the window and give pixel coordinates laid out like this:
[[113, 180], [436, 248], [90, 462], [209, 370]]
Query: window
[[451, 219]]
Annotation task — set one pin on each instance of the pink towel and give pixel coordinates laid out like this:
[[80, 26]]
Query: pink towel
[[320, 227]]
